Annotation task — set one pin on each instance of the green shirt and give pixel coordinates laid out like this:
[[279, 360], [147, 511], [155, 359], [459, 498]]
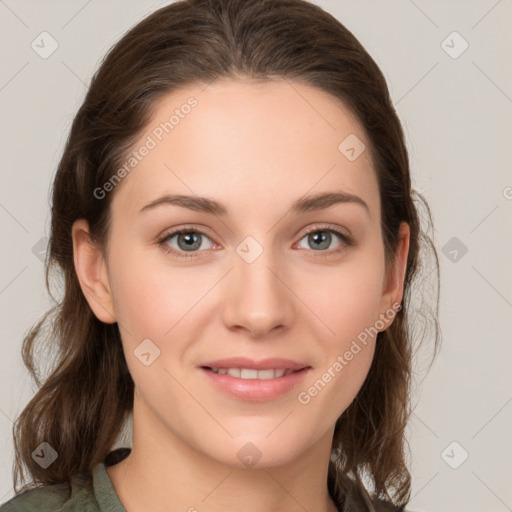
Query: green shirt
[[97, 494]]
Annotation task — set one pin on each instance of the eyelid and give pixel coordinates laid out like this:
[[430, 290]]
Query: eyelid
[[161, 241], [329, 227]]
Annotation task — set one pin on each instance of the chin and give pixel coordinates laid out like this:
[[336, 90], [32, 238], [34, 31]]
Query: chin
[[259, 452]]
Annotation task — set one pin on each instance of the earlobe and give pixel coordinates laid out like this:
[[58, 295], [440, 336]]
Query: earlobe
[[90, 267], [394, 289]]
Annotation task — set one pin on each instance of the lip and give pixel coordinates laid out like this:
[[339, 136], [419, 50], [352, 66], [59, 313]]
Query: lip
[[273, 363], [255, 390]]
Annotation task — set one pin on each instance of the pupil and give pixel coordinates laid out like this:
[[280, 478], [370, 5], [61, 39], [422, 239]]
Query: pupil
[[190, 240], [321, 238]]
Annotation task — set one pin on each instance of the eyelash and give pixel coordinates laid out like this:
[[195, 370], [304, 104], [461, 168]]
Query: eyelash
[[346, 241]]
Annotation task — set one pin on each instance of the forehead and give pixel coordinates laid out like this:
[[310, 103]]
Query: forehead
[[234, 140]]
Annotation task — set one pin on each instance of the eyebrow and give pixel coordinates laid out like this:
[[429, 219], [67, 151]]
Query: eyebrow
[[301, 205]]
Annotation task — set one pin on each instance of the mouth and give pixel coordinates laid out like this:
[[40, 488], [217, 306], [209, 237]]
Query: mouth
[[251, 374], [244, 363], [249, 380]]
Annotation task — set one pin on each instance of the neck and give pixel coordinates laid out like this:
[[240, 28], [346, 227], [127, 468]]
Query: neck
[[163, 469]]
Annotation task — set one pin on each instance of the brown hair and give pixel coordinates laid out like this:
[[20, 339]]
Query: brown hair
[[81, 406]]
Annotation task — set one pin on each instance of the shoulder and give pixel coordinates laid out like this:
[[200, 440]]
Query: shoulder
[[40, 498], [55, 498]]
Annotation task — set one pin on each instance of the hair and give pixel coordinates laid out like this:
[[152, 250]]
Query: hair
[[82, 404]]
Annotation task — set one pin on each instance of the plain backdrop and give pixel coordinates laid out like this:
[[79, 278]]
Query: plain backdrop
[[453, 93]]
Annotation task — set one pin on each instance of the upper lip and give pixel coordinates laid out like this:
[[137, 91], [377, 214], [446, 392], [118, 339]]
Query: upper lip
[[263, 364]]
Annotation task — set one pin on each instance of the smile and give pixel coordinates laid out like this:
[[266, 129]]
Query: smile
[[254, 385], [249, 373]]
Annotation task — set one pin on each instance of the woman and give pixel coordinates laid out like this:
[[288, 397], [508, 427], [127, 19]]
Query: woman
[[234, 221]]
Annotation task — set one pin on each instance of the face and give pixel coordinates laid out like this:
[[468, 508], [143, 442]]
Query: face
[[269, 272]]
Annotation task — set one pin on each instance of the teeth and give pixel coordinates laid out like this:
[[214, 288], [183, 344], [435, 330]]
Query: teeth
[[249, 373], [234, 372], [269, 374]]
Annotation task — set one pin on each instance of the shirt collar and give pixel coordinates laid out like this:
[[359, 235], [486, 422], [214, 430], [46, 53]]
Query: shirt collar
[[104, 491]]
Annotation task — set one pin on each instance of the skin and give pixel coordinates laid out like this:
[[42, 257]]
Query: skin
[[255, 147]]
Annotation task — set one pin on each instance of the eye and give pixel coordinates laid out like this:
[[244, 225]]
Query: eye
[[321, 238], [188, 241]]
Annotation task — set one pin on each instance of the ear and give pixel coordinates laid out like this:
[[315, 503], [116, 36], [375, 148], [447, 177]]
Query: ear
[[91, 270], [393, 288]]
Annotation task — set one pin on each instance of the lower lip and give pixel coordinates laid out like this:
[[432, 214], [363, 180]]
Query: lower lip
[[257, 390]]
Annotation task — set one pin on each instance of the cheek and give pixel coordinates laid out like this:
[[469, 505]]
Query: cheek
[[347, 298], [155, 303], [151, 298]]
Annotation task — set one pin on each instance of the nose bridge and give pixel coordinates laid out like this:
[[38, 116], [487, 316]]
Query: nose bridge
[[258, 299]]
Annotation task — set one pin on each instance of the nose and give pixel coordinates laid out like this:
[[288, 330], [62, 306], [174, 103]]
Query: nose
[[257, 297]]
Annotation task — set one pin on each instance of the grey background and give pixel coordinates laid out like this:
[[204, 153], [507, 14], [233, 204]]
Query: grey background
[[456, 113]]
